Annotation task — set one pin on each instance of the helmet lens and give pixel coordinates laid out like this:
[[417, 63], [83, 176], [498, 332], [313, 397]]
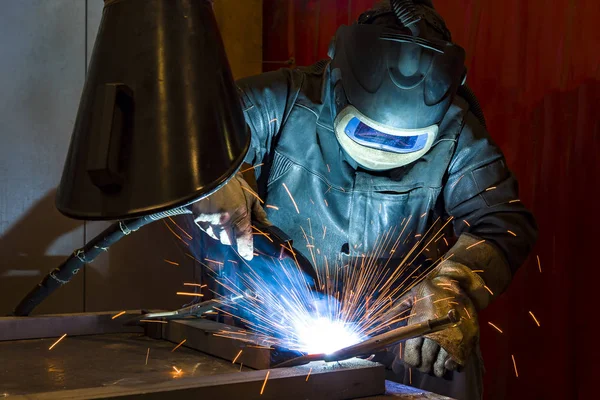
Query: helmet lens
[[371, 137]]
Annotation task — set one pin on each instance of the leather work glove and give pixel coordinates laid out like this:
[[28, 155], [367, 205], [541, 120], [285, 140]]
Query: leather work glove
[[445, 350], [452, 285], [227, 215]]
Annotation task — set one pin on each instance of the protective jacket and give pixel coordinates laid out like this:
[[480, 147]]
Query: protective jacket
[[464, 176]]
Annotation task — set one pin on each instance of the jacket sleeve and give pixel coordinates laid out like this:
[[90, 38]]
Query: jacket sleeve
[[496, 232], [266, 101]]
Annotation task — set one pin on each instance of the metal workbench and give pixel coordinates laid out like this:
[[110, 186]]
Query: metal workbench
[[100, 358]]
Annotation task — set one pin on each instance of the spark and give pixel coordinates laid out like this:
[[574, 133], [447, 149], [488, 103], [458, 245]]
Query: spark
[[475, 244], [190, 294], [175, 233], [444, 299], [512, 233], [171, 262], [534, 318], [466, 222], [118, 315], [262, 233], [264, 383], [254, 167], [253, 194], [153, 320], [328, 169], [213, 261], [514, 201], [179, 345], [423, 298], [325, 200], [539, 264], [55, 343], [290, 194], [273, 120], [494, 326], [456, 183], [515, 365], [467, 311], [238, 356], [490, 188], [147, 355], [488, 289], [194, 284], [180, 228], [445, 241], [308, 376], [283, 311], [177, 370], [199, 262], [424, 214], [478, 270], [273, 207]]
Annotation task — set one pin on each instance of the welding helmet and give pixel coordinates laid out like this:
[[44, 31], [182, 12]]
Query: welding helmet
[[392, 86]]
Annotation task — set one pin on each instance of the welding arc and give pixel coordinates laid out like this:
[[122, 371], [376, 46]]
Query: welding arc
[[96, 246], [379, 342]]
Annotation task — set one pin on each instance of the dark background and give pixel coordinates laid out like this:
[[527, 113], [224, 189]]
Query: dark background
[[535, 66]]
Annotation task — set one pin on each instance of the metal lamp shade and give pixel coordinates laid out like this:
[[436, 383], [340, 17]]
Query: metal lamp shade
[[159, 123]]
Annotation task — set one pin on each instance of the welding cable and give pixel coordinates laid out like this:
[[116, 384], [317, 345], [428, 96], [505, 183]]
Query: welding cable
[[71, 266], [465, 92]]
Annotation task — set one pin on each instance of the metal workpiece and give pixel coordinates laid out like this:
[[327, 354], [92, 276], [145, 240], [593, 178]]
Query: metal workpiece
[[220, 340]]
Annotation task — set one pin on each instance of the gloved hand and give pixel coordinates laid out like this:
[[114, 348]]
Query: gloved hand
[[434, 297], [227, 215], [450, 285]]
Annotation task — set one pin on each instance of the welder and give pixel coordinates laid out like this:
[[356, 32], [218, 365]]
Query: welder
[[385, 132]]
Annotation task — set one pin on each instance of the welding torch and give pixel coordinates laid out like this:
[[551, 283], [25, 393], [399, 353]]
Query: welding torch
[[379, 342]]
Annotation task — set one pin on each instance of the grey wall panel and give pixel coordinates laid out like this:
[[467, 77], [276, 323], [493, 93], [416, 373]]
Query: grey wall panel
[[42, 63]]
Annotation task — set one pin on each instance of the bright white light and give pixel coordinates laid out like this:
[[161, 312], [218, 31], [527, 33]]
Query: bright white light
[[322, 335]]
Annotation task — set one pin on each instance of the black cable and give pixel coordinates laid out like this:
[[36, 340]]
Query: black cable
[[465, 92], [70, 267]]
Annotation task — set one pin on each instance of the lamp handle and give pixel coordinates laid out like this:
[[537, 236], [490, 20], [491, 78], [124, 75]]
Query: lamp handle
[[112, 118]]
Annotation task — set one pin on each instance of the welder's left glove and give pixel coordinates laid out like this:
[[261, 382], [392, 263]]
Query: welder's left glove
[[452, 285], [433, 298]]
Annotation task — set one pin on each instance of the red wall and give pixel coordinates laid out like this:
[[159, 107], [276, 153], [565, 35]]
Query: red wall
[[535, 66]]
